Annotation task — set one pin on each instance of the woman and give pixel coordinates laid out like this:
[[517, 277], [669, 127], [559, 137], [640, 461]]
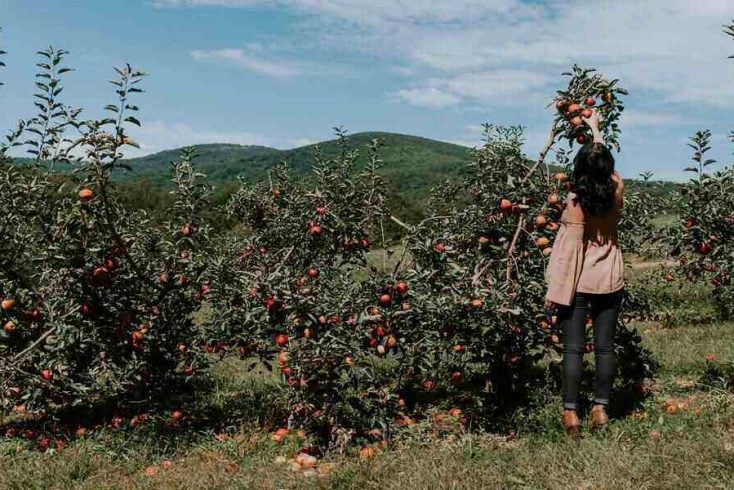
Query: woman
[[585, 275]]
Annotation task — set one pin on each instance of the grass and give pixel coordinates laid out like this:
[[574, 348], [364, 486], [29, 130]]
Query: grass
[[692, 448]]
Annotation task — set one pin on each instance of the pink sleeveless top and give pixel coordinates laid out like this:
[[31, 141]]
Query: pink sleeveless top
[[586, 258]]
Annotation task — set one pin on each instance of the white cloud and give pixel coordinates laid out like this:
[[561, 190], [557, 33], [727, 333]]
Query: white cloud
[[638, 118], [498, 87], [248, 61], [431, 97]]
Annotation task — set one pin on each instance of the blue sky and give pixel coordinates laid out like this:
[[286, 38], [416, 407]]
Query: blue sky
[[282, 73]]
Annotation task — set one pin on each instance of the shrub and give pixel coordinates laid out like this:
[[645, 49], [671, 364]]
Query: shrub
[[97, 304], [704, 240]]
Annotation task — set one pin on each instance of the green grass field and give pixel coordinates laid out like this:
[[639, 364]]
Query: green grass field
[[655, 448]]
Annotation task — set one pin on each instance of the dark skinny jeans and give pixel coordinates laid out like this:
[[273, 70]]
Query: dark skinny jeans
[[604, 310]]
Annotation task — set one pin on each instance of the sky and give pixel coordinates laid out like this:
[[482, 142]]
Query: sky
[[283, 73]]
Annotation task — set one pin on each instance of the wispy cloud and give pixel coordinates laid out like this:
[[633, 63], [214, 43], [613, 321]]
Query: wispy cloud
[[639, 118], [499, 87], [431, 97], [248, 60], [162, 135]]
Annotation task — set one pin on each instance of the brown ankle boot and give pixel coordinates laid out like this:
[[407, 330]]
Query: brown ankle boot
[[571, 423], [599, 418]]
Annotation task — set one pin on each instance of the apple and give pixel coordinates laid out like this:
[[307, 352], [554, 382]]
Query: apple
[[440, 248], [111, 264], [100, 274], [7, 304], [367, 453], [281, 340], [313, 273], [586, 113], [573, 109], [505, 205], [562, 105], [177, 415], [402, 287], [271, 304], [315, 230], [581, 139], [86, 194], [590, 101], [456, 412], [576, 121], [704, 248], [47, 375], [187, 230]]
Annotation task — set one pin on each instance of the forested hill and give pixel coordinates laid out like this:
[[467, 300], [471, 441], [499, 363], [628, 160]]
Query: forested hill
[[412, 164]]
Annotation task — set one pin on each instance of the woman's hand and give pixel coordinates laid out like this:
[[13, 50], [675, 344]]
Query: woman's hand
[[549, 305], [593, 123]]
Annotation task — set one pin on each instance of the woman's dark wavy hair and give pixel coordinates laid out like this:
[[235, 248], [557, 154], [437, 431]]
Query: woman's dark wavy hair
[[591, 180]]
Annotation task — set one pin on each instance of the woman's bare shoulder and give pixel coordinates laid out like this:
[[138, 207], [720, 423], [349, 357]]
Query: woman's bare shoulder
[[617, 179], [573, 211]]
